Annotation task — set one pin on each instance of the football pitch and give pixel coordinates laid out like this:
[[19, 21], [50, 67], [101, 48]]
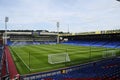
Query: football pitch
[[34, 58]]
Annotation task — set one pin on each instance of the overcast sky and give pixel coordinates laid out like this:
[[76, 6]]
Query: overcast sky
[[73, 15]]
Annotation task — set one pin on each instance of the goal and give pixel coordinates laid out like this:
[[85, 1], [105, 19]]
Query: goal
[[111, 53], [58, 58]]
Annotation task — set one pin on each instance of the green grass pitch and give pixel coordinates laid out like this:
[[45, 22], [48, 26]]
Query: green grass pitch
[[34, 58]]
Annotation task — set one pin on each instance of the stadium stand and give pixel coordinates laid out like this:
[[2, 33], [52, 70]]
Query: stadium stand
[[18, 43], [29, 38], [104, 69], [108, 44]]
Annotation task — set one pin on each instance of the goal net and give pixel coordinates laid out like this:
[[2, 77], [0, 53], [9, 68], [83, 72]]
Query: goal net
[[58, 58], [111, 53]]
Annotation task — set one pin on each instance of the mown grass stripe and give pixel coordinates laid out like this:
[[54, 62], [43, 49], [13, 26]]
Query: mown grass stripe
[[39, 55]]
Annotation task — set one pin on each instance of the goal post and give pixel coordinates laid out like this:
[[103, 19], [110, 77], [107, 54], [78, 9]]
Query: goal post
[[58, 58]]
